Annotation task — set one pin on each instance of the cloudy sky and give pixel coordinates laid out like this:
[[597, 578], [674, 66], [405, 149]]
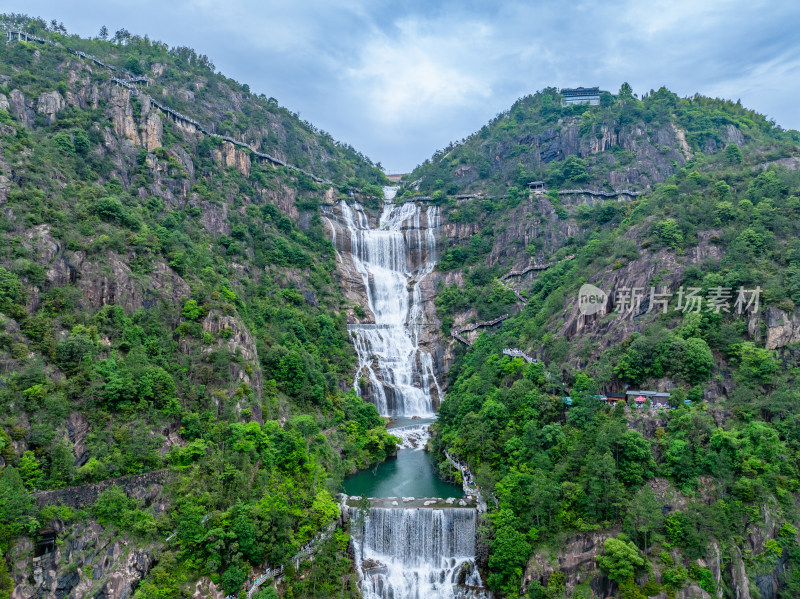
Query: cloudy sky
[[401, 80]]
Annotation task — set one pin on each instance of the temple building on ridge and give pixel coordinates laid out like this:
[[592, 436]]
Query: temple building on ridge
[[580, 95]]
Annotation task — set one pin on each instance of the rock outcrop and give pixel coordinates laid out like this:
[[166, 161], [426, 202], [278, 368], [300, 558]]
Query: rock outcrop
[[782, 328], [21, 107], [89, 562], [231, 333], [122, 113], [577, 559], [231, 156], [152, 131], [49, 105]]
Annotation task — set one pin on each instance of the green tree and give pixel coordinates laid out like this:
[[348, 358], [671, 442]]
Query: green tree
[[625, 92], [756, 365], [30, 469], [670, 234], [680, 461], [644, 516], [15, 503], [698, 361], [634, 459], [732, 154], [620, 560], [509, 554]]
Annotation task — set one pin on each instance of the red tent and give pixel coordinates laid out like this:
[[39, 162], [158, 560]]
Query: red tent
[[640, 399]]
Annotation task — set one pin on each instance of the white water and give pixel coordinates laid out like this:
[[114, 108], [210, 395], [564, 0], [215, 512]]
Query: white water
[[392, 260], [403, 553], [417, 553], [412, 436]]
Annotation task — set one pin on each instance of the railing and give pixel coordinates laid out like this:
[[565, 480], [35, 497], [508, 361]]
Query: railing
[[182, 117], [516, 293], [534, 266], [467, 480], [276, 573], [457, 333], [605, 194], [10, 33], [518, 353]]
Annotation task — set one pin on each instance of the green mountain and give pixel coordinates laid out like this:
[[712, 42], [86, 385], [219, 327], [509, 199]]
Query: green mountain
[[624, 143], [696, 499], [177, 375], [168, 308]]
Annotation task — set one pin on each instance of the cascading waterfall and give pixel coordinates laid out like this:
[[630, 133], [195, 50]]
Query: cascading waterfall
[[402, 552], [416, 553], [391, 258]]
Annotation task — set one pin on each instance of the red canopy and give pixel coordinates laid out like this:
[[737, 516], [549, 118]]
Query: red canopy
[[640, 399]]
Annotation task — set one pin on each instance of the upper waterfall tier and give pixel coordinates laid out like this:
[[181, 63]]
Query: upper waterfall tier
[[391, 258]]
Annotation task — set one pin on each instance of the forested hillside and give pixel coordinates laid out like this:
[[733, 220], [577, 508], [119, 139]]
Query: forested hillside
[[695, 499], [624, 143], [167, 307], [176, 378]]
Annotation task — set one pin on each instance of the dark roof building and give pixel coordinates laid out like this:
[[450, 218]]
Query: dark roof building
[[580, 95]]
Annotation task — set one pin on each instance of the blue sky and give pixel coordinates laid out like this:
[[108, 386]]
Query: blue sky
[[400, 80]]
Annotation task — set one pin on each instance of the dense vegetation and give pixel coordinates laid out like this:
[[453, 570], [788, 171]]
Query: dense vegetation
[[727, 458], [168, 310], [174, 308]]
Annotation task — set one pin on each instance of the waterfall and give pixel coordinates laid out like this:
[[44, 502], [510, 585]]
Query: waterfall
[[392, 259], [416, 553], [401, 552]]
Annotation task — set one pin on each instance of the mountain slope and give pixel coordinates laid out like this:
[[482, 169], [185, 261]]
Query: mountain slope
[[167, 308], [624, 143], [594, 500]]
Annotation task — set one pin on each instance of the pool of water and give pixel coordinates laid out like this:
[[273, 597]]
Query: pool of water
[[410, 474]]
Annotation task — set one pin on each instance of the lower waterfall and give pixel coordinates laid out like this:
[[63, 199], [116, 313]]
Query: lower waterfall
[[416, 553]]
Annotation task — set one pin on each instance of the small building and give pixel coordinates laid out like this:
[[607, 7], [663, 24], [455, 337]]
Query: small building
[[653, 396], [580, 95], [536, 187], [614, 398]]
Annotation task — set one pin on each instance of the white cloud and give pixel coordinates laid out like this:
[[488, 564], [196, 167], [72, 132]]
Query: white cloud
[[414, 73]]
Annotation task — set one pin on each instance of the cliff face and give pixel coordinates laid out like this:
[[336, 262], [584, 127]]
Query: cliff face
[[421, 289], [87, 559], [89, 563]]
